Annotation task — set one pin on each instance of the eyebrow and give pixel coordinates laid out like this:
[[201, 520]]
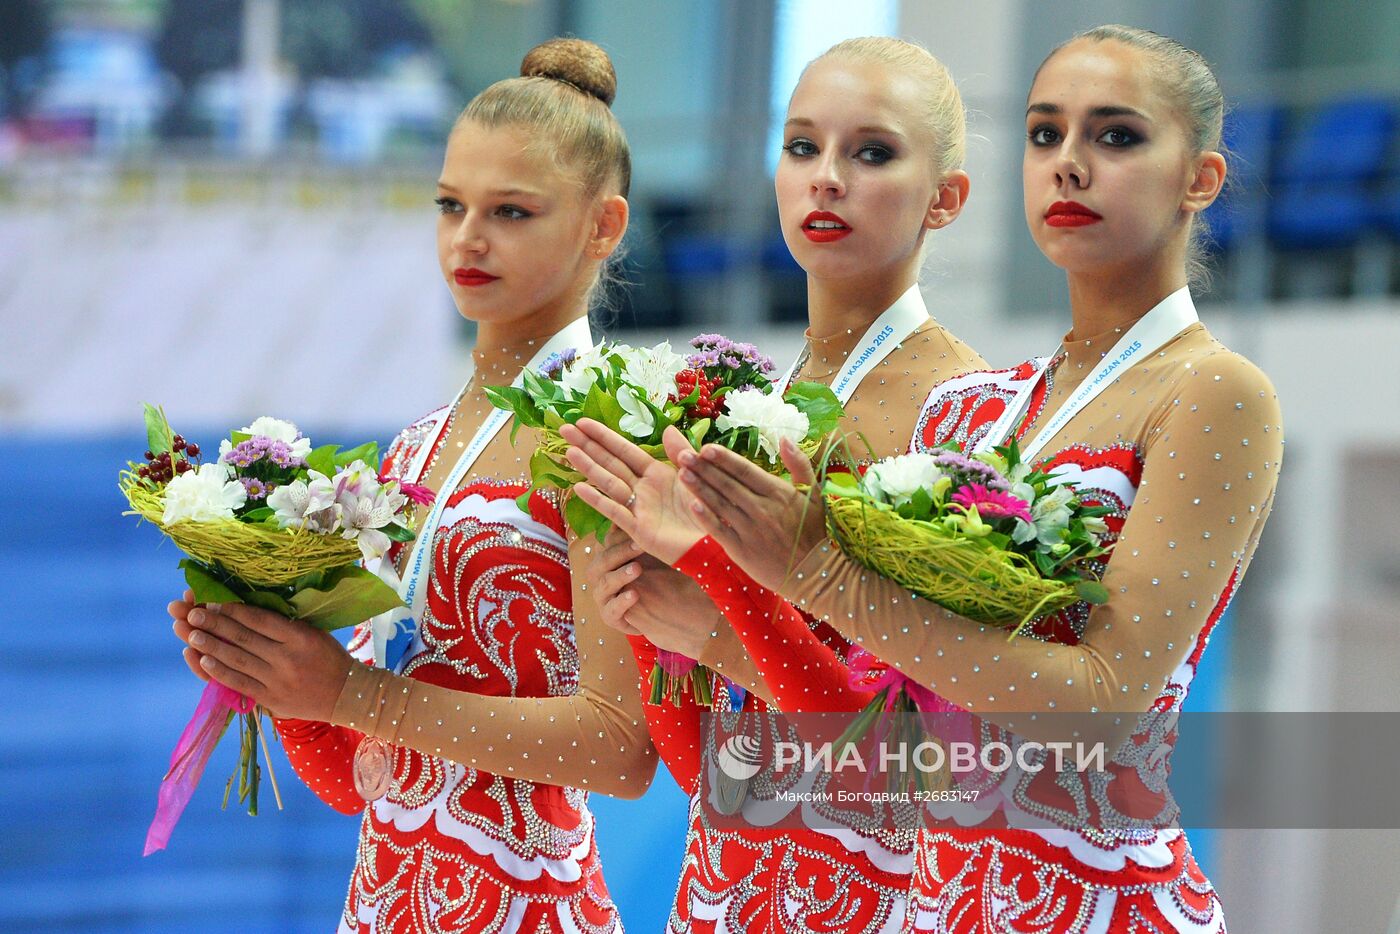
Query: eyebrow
[[497, 192], [868, 128], [1106, 110]]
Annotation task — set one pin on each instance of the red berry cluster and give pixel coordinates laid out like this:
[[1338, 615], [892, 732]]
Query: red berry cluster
[[686, 383], [163, 467]]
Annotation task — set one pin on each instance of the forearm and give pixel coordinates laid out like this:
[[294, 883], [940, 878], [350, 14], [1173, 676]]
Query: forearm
[[589, 740], [799, 671]]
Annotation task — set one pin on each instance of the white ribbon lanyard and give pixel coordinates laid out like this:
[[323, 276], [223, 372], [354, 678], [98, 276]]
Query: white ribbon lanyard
[[1168, 318], [401, 624], [879, 340]]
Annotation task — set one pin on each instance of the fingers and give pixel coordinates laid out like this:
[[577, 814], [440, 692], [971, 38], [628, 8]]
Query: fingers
[[215, 629], [608, 508], [631, 456], [615, 612], [272, 626], [715, 459], [612, 479], [192, 660], [617, 553], [676, 444], [797, 463], [232, 678], [612, 583]]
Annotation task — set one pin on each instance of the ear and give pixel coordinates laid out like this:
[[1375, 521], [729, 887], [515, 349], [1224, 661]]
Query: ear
[[948, 201], [1206, 184], [609, 224]]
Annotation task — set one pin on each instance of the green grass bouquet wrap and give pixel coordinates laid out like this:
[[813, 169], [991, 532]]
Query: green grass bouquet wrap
[[275, 523]]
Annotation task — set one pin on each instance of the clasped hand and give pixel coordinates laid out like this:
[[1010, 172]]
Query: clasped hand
[[765, 523], [286, 666]]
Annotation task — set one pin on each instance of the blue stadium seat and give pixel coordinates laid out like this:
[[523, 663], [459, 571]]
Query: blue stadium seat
[[1251, 135], [699, 256], [1325, 174]]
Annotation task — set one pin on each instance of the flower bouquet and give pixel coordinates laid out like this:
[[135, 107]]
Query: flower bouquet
[[721, 393], [984, 535], [276, 524]]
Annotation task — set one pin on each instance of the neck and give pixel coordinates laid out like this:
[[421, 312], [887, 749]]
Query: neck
[[504, 347], [1100, 302], [835, 306]]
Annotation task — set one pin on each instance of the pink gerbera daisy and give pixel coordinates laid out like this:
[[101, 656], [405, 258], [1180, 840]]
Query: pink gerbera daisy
[[992, 504]]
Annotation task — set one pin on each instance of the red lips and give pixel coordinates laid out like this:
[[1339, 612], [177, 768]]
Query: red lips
[[1070, 214], [824, 227], [473, 277]]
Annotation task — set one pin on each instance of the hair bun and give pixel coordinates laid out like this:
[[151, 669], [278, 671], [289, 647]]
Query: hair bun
[[577, 62]]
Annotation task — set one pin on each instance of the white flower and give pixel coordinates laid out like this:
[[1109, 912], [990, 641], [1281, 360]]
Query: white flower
[[312, 505], [637, 420], [652, 369], [1051, 514], [365, 508], [202, 495], [1095, 525], [894, 479], [276, 429], [582, 371], [775, 419]]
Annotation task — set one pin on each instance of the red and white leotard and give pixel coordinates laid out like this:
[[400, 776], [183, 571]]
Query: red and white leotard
[[512, 702], [853, 874], [1185, 446]]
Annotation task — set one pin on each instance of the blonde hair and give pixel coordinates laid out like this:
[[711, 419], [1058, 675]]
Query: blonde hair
[[1187, 80], [942, 105], [563, 98]]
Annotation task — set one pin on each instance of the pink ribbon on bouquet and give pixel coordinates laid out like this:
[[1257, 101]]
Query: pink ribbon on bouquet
[[868, 673], [674, 663], [190, 757]]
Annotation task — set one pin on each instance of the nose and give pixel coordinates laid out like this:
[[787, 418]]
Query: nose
[[1071, 171], [827, 179], [467, 239]]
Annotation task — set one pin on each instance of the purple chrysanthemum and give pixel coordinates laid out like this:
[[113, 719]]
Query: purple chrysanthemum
[[967, 470], [255, 488], [553, 365]]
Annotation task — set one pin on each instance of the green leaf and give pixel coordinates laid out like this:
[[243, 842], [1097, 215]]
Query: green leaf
[[367, 452], [553, 420], [519, 403], [522, 502], [819, 403], [1091, 591], [259, 514], [207, 587], [322, 459], [270, 601], [350, 595], [398, 533], [584, 519], [922, 501], [159, 437]]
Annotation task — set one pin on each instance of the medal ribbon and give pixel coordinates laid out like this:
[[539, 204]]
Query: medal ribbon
[[393, 632], [879, 340], [1168, 318]]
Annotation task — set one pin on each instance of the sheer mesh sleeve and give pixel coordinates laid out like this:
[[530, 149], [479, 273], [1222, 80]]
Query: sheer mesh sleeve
[[595, 739], [1211, 462]]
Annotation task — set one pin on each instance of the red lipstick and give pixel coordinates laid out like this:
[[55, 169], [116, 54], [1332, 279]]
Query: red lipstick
[[473, 277], [1070, 214], [824, 227]]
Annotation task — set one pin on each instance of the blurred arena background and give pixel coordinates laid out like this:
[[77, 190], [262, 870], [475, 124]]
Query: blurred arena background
[[226, 206]]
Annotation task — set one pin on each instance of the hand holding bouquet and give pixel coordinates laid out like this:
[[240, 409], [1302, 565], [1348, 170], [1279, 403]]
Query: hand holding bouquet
[[276, 524], [983, 535], [720, 394]]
